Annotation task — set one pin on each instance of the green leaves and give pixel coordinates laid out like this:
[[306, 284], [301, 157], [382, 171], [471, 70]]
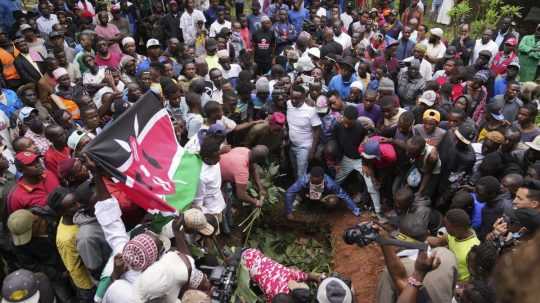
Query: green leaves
[[308, 254]]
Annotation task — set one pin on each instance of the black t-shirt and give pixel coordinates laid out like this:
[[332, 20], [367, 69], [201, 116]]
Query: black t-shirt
[[263, 43], [349, 139]]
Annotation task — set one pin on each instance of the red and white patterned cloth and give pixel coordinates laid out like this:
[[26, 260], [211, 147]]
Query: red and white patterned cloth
[[271, 277]]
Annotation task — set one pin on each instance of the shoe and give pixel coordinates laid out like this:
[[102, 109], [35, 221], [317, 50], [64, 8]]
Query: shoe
[[381, 218]]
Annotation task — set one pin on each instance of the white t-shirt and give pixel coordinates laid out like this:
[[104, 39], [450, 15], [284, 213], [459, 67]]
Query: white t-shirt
[[209, 197], [435, 51], [216, 27], [301, 120], [346, 19], [188, 24], [234, 72], [344, 39], [491, 46], [89, 78]]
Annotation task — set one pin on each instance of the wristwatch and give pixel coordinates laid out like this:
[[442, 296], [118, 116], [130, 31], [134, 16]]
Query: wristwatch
[[414, 283]]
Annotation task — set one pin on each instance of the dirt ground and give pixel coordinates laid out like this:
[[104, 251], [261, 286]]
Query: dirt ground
[[361, 264]]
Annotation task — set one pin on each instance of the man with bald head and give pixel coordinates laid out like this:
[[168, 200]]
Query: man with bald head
[[239, 165]]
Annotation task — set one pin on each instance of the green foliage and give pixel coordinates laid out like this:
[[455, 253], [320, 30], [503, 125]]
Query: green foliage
[[308, 254], [482, 14]]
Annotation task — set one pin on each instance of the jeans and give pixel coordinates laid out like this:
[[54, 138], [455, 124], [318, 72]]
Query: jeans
[[347, 166], [299, 159]]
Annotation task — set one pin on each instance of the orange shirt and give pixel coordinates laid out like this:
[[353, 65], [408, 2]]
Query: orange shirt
[[7, 59]]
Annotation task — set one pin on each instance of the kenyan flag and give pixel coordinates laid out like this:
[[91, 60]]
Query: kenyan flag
[[140, 150]]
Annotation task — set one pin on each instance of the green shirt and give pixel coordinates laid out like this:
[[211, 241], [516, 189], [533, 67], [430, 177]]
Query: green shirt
[[461, 249]]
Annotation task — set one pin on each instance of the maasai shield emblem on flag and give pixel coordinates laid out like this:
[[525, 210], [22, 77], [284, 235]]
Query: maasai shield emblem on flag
[[140, 150]]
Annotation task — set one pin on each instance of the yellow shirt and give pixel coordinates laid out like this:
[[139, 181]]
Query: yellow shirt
[[461, 249], [66, 237]]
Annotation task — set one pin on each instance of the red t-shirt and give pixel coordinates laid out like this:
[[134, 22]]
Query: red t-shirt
[[54, 156], [113, 61], [388, 153], [235, 165], [26, 195]]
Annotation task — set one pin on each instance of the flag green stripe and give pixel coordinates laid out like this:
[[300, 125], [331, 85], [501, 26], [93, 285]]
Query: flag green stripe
[[186, 179]]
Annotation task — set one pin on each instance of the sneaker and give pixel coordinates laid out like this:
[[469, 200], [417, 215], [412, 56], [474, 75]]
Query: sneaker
[[381, 218]]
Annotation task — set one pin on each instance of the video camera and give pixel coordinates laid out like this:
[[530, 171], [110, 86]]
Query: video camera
[[223, 280], [363, 234]]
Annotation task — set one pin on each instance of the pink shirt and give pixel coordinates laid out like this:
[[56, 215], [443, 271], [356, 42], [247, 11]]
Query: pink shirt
[[235, 165], [109, 32], [271, 277], [113, 61]]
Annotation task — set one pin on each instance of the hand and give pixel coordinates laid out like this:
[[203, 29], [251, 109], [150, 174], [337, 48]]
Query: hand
[[380, 230], [262, 193], [177, 223], [366, 170], [425, 263], [258, 203], [317, 277], [500, 227], [119, 267]]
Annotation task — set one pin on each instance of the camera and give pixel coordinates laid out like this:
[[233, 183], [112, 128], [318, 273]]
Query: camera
[[223, 280], [362, 234]]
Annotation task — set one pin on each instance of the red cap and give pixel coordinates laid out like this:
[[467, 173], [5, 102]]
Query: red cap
[[26, 157], [278, 118], [511, 41]]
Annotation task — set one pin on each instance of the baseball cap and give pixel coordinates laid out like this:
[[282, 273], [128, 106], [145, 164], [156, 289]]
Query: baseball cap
[[420, 47], [347, 60], [20, 226], [315, 52], [278, 118], [20, 286], [304, 64], [514, 64], [195, 296], [432, 114], [334, 290], [511, 41], [75, 138], [495, 109], [372, 150], [386, 84], [152, 42], [428, 97], [535, 144], [465, 133], [322, 105], [59, 72], [195, 219], [26, 157], [437, 32], [24, 27], [54, 34], [485, 53], [25, 112]]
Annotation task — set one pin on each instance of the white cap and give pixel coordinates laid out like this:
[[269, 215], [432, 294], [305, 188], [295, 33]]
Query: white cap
[[315, 52], [152, 42], [428, 98], [437, 32]]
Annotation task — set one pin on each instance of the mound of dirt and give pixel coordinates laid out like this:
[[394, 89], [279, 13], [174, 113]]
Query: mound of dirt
[[361, 264]]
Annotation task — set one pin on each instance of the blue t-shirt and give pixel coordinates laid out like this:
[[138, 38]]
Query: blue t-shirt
[[343, 87], [297, 17], [476, 219]]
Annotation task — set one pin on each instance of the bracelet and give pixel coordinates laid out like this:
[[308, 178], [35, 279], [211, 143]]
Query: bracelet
[[414, 283]]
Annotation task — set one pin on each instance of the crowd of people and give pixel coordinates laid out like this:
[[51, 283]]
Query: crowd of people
[[362, 104]]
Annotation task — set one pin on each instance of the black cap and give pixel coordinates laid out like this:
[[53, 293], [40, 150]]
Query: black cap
[[316, 171], [485, 53], [20, 285], [465, 133]]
